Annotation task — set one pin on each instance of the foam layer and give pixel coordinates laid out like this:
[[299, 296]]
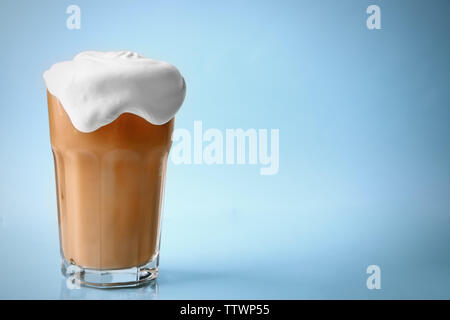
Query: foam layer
[[97, 87]]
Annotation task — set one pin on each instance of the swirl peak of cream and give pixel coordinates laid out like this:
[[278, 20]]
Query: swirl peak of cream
[[95, 88]]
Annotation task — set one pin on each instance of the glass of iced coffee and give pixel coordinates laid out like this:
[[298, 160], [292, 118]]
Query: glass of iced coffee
[[111, 119]]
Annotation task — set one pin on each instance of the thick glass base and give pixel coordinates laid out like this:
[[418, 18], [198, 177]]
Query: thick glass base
[[117, 278]]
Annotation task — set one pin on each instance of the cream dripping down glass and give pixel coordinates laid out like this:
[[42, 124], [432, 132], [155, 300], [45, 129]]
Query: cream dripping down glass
[[111, 119]]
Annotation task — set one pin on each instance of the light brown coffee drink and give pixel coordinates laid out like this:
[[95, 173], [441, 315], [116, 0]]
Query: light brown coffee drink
[[111, 122], [109, 188]]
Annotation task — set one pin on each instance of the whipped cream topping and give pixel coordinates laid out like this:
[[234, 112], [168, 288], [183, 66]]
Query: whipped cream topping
[[95, 88]]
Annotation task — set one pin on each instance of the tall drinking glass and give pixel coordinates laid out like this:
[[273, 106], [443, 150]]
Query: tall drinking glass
[[109, 186]]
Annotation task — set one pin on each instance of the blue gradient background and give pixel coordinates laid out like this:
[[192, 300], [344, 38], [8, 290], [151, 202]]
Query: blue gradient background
[[364, 146]]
